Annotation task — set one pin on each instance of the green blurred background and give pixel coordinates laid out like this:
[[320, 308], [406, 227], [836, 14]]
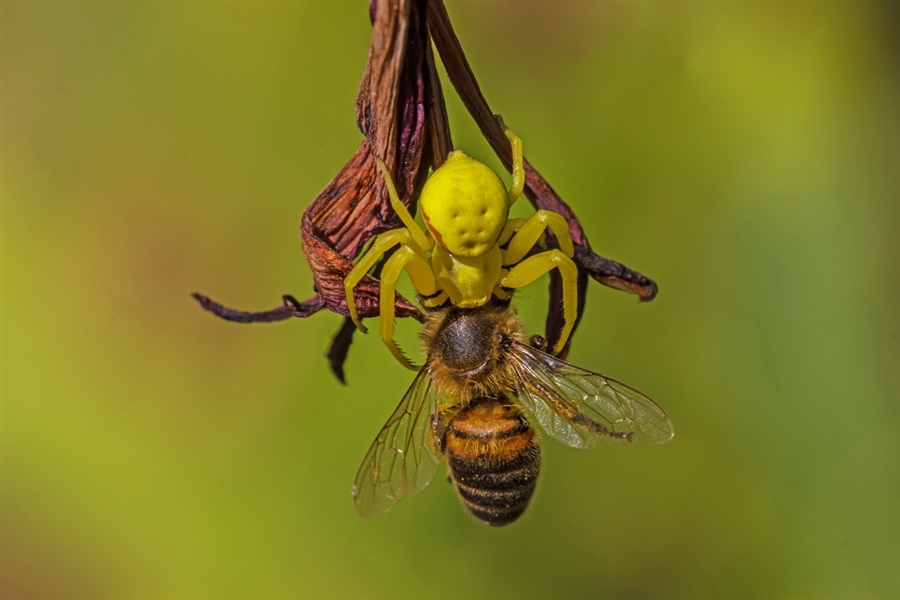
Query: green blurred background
[[743, 155]]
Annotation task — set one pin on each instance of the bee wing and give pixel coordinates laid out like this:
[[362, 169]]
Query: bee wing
[[581, 408], [404, 457]]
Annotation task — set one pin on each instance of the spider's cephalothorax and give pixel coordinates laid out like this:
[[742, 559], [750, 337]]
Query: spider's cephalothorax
[[471, 250]]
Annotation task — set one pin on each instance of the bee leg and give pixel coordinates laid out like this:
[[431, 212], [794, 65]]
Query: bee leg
[[533, 267], [538, 341]]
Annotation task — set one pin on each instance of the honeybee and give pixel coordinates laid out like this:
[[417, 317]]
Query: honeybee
[[474, 402]]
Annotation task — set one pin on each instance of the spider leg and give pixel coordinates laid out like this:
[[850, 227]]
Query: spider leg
[[382, 244], [500, 293], [512, 225], [437, 300], [530, 233], [420, 272], [533, 267], [422, 240], [518, 166]]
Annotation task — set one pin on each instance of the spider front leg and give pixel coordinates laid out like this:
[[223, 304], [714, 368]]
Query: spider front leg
[[420, 237], [382, 244], [423, 280], [410, 235], [414, 244], [533, 267]]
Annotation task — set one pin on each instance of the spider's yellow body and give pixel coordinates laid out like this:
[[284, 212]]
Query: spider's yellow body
[[465, 207], [471, 250]]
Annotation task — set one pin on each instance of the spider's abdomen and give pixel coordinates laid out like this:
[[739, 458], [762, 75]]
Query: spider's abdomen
[[465, 206]]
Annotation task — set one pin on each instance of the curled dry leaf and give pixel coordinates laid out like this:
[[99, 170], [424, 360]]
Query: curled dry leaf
[[402, 117]]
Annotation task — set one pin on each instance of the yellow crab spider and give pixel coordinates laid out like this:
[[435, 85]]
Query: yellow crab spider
[[471, 250]]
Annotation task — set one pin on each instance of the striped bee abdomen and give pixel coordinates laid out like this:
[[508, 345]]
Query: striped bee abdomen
[[494, 457]]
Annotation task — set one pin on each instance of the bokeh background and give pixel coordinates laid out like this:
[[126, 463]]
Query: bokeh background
[[744, 155]]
